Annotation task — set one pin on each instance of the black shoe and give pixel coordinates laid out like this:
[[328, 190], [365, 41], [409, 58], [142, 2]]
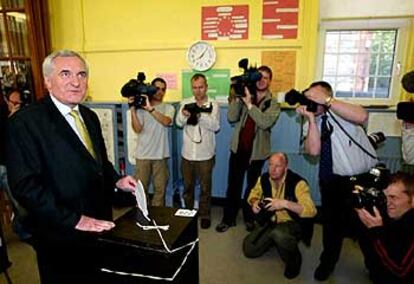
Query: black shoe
[[205, 223], [222, 227], [249, 226], [322, 272], [291, 272]]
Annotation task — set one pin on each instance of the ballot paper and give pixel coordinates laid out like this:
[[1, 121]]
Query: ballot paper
[[185, 213], [141, 200]]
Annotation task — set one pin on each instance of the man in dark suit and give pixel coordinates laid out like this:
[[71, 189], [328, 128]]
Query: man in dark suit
[[60, 174]]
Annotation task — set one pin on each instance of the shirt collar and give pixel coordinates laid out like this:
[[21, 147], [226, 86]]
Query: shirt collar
[[63, 109]]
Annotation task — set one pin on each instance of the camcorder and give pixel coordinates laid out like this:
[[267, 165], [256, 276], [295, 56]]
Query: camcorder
[[369, 190], [136, 88], [195, 110], [405, 110], [293, 97], [264, 216], [249, 78]]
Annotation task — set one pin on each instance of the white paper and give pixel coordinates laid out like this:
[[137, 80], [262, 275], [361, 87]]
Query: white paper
[[141, 199], [185, 213]]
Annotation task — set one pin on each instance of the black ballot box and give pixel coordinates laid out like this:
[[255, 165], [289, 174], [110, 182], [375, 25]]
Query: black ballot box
[[130, 254]]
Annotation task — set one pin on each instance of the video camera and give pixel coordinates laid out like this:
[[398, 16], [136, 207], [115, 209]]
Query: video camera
[[249, 78], [136, 88], [369, 189], [194, 110], [405, 110], [264, 216], [293, 97]]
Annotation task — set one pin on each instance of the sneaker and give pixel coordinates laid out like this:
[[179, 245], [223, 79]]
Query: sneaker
[[249, 226], [222, 227], [205, 223], [322, 272]]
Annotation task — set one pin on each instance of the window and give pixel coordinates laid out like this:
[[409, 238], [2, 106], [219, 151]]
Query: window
[[361, 59]]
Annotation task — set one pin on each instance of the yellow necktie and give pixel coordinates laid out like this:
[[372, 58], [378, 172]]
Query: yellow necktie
[[83, 132]]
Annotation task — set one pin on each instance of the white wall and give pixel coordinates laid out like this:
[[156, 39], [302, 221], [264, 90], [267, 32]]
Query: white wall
[[365, 8]]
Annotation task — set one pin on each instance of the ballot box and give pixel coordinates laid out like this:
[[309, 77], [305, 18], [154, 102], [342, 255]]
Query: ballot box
[[131, 254]]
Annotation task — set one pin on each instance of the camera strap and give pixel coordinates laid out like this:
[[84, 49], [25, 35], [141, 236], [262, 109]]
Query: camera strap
[[350, 137]]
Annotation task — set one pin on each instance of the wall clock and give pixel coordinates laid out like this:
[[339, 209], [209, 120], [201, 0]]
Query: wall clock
[[201, 56]]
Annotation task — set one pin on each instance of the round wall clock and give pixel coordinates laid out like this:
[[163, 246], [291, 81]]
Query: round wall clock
[[201, 56]]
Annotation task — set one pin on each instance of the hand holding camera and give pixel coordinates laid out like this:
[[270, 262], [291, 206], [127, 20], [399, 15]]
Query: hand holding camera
[[370, 220]]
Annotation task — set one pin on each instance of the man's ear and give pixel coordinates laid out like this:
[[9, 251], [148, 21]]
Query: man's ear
[[48, 83]]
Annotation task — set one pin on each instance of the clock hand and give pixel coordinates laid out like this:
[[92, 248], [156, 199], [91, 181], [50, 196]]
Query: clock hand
[[202, 53]]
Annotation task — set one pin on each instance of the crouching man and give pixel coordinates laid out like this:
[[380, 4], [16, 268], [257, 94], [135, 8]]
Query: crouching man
[[286, 195]]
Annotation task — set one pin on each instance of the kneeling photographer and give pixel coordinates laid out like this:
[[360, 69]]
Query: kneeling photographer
[[199, 116], [150, 119], [284, 209], [392, 236], [335, 132]]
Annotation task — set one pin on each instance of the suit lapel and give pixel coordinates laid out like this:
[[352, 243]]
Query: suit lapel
[[63, 129]]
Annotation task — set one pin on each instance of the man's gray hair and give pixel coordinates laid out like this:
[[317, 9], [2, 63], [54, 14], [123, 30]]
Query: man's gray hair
[[48, 65]]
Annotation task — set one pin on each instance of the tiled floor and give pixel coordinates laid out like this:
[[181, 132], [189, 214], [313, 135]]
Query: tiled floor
[[222, 261]]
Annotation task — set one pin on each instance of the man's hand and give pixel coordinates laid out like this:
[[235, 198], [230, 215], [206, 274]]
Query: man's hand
[[131, 102], [310, 116], [127, 183], [89, 224], [147, 105], [317, 94], [186, 113], [255, 206], [275, 204], [368, 219], [247, 99]]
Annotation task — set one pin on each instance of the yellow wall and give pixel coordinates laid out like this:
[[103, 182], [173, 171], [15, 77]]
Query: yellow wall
[[119, 38]]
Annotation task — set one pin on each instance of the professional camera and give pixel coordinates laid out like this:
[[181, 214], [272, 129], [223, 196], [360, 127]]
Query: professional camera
[[136, 88], [376, 138], [194, 110], [369, 189], [293, 97], [249, 78], [264, 216], [26, 98]]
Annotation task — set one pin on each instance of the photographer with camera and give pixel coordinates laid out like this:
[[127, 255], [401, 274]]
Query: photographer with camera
[[199, 116], [250, 146], [286, 196], [393, 238], [151, 121], [335, 133], [405, 113]]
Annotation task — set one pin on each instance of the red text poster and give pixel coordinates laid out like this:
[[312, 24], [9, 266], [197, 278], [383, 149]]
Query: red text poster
[[225, 22], [280, 19]]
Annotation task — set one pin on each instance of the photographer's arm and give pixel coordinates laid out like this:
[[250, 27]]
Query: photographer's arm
[[182, 115], [136, 124], [313, 138], [351, 112], [255, 196], [211, 121]]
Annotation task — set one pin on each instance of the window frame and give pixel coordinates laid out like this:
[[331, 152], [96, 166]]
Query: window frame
[[401, 46]]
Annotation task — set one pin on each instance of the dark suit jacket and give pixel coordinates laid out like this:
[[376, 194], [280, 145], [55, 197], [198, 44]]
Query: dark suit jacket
[[51, 173]]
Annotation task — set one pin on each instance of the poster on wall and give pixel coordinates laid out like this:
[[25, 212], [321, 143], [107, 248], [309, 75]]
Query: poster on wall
[[280, 19], [218, 81], [225, 22], [283, 65]]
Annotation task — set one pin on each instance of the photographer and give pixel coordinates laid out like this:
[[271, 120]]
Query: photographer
[[200, 118], [151, 122], [393, 240], [250, 145], [335, 133], [407, 126], [287, 196]]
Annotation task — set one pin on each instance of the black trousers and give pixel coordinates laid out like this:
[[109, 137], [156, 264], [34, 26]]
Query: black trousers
[[239, 164], [339, 220]]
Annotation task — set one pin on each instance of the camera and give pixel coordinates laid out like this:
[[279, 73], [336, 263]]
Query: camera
[[376, 138], [264, 216], [26, 98], [369, 189], [136, 88], [194, 110], [405, 110], [293, 97], [249, 78]]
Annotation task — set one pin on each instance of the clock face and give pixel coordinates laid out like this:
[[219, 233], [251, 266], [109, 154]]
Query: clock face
[[201, 56]]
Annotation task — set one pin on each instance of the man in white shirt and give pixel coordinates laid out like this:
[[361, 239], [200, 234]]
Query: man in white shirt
[[200, 118]]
